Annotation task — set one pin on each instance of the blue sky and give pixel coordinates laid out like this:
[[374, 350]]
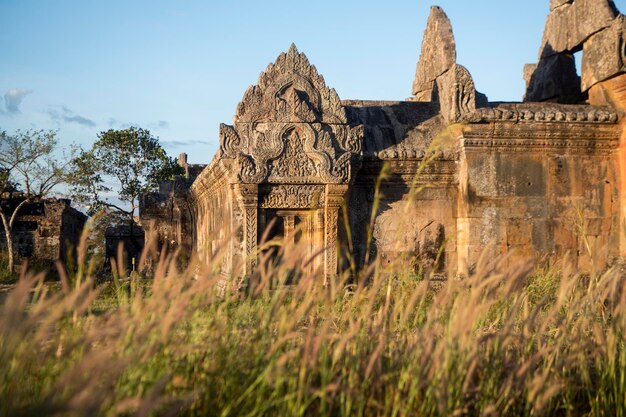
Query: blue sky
[[179, 68]]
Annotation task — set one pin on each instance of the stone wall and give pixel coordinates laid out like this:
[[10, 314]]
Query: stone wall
[[129, 239], [166, 216], [217, 227], [44, 230], [538, 181]]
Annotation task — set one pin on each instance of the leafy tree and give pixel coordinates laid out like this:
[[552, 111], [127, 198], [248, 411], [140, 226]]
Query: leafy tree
[[28, 163], [121, 165]]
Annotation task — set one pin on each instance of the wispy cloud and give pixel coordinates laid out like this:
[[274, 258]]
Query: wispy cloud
[[182, 143], [114, 123], [161, 124], [64, 114], [13, 98]]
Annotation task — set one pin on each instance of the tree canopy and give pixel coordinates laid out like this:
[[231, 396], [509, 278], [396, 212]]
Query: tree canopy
[[29, 163], [121, 165]]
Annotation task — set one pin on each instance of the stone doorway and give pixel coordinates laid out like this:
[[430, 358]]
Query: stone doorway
[[296, 229]]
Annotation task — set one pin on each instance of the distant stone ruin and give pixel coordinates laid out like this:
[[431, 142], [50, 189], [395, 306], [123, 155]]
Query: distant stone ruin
[[44, 231], [130, 241], [166, 215], [536, 179]]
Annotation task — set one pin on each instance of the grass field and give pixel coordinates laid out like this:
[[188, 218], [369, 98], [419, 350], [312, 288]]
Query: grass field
[[506, 341]]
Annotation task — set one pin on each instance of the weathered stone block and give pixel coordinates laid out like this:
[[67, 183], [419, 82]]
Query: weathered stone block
[[492, 175], [542, 232], [553, 79], [558, 3], [564, 235], [455, 93], [438, 51], [604, 54], [529, 70], [593, 227], [568, 26], [611, 92], [510, 207], [520, 176], [518, 254], [519, 232]]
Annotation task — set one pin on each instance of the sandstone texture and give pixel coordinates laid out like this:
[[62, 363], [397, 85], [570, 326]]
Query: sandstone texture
[[571, 24], [593, 26], [554, 78], [438, 78], [558, 3], [438, 53], [604, 54]]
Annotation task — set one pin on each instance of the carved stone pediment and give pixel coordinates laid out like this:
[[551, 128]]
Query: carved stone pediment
[[290, 90], [291, 128], [292, 196]]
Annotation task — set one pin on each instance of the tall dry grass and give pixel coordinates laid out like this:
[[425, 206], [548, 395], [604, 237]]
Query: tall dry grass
[[504, 341]]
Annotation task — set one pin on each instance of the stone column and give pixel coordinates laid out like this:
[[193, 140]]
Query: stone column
[[248, 198], [462, 219], [308, 233], [289, 223], [334, 199], [318, 236]]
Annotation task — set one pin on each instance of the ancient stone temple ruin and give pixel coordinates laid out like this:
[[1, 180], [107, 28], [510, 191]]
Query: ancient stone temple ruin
[[45, 230], [462, 175]]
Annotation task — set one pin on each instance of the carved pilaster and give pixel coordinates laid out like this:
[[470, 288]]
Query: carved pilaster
[[319, 239], [334, 199], [290, 229], [248, 199]]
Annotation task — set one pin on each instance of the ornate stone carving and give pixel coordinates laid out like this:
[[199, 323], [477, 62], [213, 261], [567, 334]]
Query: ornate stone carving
[[248, 196], [291, 128], [512, 134], [334, 199], [583, 114], [332, 219], [251, 238], [292, 196], [291, 90], [230, 142], [299, 158]]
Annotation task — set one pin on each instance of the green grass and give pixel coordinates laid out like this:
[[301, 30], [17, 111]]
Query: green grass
[[6, 277]]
